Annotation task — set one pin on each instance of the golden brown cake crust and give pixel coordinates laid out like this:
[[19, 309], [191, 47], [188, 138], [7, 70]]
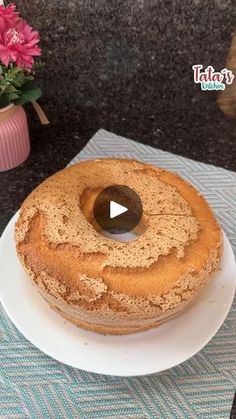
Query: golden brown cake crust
[[112, 286]]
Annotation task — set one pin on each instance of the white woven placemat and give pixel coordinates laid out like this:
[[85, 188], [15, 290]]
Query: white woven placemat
[[32, 385]]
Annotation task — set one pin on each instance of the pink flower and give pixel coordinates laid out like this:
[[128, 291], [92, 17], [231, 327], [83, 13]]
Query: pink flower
[[18, 44], [8, 17]]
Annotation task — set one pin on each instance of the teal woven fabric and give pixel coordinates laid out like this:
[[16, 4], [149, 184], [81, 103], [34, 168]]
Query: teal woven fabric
[[33, 385]]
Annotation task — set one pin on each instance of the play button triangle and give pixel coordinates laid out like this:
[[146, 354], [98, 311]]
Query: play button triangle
[[116, 209]]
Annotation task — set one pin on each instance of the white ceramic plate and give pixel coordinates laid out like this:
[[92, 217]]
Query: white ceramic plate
[[137, 354]]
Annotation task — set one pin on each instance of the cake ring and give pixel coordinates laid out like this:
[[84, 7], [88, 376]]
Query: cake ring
[[112, 286]]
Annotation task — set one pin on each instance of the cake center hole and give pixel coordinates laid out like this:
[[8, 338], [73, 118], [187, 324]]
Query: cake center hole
[[115, 212]]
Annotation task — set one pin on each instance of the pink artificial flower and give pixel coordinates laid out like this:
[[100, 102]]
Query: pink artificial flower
[[8, 17], [19, 44]]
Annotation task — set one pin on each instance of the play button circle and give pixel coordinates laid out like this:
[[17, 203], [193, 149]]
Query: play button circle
[[117, 209]]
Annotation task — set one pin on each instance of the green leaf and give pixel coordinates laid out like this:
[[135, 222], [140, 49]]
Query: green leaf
[[4, 101], [29, 92], [10, 89], [3, 87], [16, 85], [14, 97], [19, 79]]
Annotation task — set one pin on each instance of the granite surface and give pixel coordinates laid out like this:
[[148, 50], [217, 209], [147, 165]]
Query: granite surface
[[124, 66]]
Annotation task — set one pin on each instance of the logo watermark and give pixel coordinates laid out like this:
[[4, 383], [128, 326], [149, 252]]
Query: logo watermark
[[209, 79]]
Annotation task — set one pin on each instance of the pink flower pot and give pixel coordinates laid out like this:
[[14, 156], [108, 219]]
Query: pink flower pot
[[14, 137]]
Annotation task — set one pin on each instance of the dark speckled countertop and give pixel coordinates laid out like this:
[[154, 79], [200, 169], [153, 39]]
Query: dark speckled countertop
[[124, 66]]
